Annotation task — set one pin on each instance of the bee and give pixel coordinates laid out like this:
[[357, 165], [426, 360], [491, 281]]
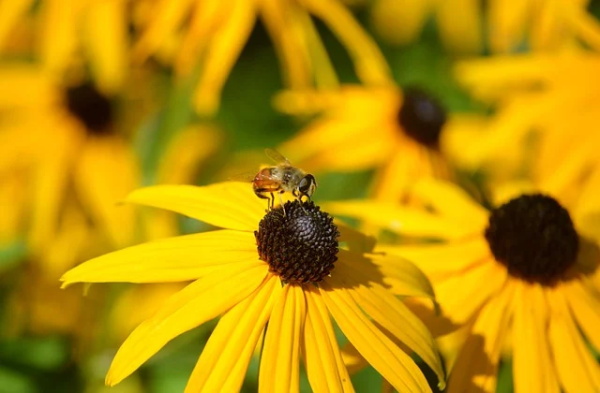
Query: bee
[[281, 178]]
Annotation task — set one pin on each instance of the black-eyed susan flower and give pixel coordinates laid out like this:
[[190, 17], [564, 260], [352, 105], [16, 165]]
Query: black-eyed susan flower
[[63, 148], [278, 275], [518, 278], [210, 36], [501, 26], [398, 132], [545, 106], [79, 37]]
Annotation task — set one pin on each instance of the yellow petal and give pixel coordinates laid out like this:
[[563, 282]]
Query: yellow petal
[[577, 369], [442, 260], [465, 36], [400, 21], [175, 259], [324, 364], [476, 367], [224, 361], [222, 53], [280, 361], [584, 304], [11, 13], [389, 312], [106, 35], [59, 33], [384, 355], [453, 203], [402, 220], [532, 361], [369, 63], [101, 191], [396, 274], [197, 303], [228, 205]]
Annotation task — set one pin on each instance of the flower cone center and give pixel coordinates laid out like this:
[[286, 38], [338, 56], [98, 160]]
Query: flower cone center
[[299, 245], [422, 117], [534, 237], [92, 108]]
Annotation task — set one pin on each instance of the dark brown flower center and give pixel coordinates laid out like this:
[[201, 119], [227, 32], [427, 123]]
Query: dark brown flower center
[[299, 245], [422, 117], [92, 108], [534, 237]]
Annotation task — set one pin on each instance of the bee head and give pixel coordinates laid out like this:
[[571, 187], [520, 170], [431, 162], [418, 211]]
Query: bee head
[[307, 185]]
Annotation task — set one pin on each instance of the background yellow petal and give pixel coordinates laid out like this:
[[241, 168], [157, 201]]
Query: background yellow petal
[[323, 360], [58, 34], [577, 369], [230, 205], [11, 13], [465, 36], [106, 37], [174, 259], [225, 358], [197, 303], [476, 367], [533, 369], [400, 21], [453, 203], [384, 355], [402, 220], [280, 360], [584, 303], [101, 191], [440, 260]]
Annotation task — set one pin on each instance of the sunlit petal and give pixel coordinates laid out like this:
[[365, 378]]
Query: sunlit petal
[[225, 358], [533, 369], [175, 259], [280, 362], [386, 357], [228, 205], [324, 364], [197, 303]]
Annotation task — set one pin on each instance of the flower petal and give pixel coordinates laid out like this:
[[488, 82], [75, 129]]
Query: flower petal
[[585, 307], [476, 366], [402, 220], [224, 361], [441, 260], [179, 258], [382, 353], [228, 205], [577, 369], [280, 362], [394, 273], [453, 203], [324, 364], [389, 312], [197, 303], [533, 369]]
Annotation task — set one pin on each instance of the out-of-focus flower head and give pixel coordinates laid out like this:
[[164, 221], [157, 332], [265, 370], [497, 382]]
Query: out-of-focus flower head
[[281, 276], [70, 37], [502, 26], [398, 132], [208, 36], [521, 277], [545, 113]]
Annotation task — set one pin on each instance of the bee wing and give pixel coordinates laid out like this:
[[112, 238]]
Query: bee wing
[[276, 156], [244, 176]]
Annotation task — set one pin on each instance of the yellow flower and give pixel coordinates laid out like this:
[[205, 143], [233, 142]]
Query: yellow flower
[[463, 24], [397, 132], [72, 36], [289, 299], [545, 106], [520, 276], [67, 163], [209, 35]]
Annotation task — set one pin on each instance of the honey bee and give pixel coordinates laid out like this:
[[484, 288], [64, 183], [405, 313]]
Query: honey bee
[[281, 178]]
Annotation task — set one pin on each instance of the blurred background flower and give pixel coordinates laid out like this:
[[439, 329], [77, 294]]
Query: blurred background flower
[[376, 98]]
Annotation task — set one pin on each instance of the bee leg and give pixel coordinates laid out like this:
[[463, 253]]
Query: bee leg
[[271, 201], [282, 204]]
